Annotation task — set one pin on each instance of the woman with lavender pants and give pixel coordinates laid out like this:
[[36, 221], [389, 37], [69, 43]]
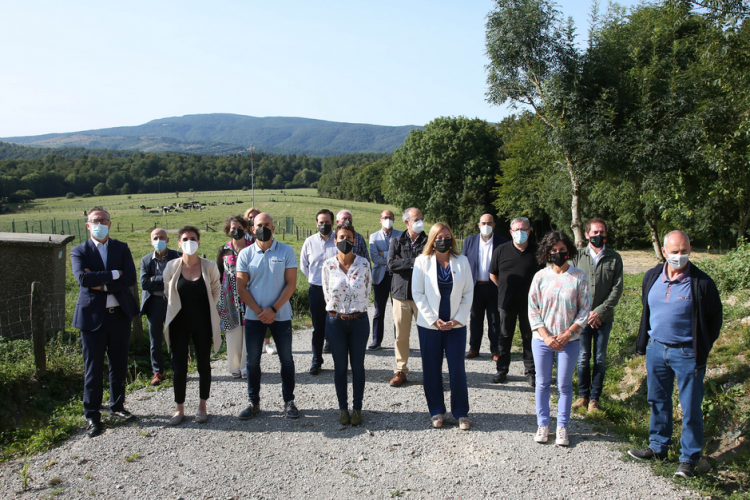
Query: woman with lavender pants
[[559, 305]]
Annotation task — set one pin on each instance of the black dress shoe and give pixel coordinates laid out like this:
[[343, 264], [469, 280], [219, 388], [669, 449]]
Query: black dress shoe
[[531, 380], [123, 415], [326, 348], [374, 347], [290, 409], [249, 412], [94, 429], [499, 378], [314, 369]]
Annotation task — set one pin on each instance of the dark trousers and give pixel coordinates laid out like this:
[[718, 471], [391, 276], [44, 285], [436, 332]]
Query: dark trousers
[[590, 386], [508, 319], [318, 314], [157, 315], [255, 333], [382, 292], [434, 344], [112, 338], [179, 339], [484, 302], [348, 341]]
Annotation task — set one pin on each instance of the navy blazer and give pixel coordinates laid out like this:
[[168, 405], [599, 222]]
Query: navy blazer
[[92, 304], [149, 285], [471, 251]]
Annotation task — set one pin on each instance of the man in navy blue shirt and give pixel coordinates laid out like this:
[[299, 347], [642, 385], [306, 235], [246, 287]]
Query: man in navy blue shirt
[[680, 322]]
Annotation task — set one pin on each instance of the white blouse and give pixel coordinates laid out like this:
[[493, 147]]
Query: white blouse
[[347, 293]]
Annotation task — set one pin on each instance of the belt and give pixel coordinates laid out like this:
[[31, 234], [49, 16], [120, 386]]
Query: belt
[[113, 310], [316, 286], [483, 282], [346, 316], [681, 344]]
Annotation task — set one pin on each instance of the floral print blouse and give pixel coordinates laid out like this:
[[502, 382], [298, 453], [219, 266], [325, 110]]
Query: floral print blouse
[[230, 306], [556, 301], [347, 293]]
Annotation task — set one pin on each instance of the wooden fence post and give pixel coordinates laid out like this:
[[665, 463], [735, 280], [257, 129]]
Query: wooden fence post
[[37, 329], [137, 323]]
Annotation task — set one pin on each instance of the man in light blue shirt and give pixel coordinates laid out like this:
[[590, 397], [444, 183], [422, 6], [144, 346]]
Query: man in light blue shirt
[[266, 280], [380, 241], [315, 250]]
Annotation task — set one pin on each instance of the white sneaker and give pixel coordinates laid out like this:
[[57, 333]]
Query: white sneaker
[[270, 348], [541, 434], [562, 437]]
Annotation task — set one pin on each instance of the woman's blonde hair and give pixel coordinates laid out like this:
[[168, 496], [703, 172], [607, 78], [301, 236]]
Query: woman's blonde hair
[[247, 213], [429, 247]]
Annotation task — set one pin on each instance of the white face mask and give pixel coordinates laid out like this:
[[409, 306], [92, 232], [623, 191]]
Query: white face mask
[[189, 247], [485, 230], [520, 236], [387, 224], [677, 260], [418, 226]]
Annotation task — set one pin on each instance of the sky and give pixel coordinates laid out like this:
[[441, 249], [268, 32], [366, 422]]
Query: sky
[[70, 66]]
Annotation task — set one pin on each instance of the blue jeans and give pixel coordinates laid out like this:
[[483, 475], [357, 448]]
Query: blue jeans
[[157, 315], [663, 364], [348, 341], [566, 364], [433, 343], [589, 388], [255, 334]]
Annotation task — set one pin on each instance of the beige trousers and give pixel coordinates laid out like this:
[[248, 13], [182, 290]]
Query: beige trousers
[[236, 350], [404, 311]]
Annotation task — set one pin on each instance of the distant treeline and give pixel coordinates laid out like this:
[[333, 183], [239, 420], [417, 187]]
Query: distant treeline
[[39, 172]]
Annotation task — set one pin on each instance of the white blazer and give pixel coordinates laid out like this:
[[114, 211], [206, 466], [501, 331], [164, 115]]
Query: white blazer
[[210, 273], [426, 293]]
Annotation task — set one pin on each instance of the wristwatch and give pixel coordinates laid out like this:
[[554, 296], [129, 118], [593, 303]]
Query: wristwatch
[[274, 310]]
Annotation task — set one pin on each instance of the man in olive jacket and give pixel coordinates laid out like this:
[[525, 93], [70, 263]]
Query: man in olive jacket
[[603, 267]]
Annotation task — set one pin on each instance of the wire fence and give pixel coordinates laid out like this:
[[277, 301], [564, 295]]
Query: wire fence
[[17, 314]]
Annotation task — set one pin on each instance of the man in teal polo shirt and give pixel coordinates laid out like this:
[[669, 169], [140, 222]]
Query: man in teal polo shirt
[[266, 280]]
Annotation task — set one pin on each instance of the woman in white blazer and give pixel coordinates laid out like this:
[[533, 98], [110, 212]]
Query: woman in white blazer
[[443, 288], [192, 287]]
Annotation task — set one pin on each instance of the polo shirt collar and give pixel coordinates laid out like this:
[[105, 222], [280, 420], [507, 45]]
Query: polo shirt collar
[[680, 278], [271, 248]]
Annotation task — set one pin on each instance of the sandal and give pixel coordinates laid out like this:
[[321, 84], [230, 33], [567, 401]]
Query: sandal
[[437, 421], [464, 423], [236, 375]]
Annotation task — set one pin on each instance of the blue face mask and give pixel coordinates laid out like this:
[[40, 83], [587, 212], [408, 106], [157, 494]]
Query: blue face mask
[[99, 231], [520, 236], [159, 245]]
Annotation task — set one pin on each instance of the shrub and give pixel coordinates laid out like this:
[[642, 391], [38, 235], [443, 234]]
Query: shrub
[[244, 188], [70, 195], [86, 195], [22, 196], [732, 271]]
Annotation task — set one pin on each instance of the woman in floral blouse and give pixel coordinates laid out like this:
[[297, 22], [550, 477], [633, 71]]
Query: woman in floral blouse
[[346, 287], [559, 304]]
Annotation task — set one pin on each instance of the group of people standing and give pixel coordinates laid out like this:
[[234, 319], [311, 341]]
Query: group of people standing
[[561, 297]]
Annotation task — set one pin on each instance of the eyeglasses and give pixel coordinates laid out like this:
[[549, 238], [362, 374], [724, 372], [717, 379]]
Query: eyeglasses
[[387, 218], [417, 220], [98, 221]]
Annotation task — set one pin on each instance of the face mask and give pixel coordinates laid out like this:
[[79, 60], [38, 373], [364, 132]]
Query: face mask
[[159, 245], [677, 260], [485, 231], [324, 229], [99, 231], [520, 236], [598, 240], [443, 246], [558, 259], [387, 224], [189, 247], [263, 234], [418, 226], [345, 246], [237, 233]]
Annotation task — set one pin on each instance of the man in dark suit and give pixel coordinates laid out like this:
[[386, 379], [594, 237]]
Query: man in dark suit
[[153, 300], [478, 249], [105, 272]]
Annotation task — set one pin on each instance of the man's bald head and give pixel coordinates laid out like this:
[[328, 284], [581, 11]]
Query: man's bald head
[[676, 241], [263, 220], [159, 234]]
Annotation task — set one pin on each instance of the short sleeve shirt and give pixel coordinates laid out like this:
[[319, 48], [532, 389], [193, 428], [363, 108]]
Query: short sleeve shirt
[[266, 275], [514, 270]]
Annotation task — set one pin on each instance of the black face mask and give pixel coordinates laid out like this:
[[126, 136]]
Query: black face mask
[[598, 241], [237, 233], [558, 259], [443, 246], [324, 229], [345, 246], [263, 234]]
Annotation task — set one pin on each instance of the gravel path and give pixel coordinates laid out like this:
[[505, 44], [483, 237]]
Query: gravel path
[[394, 453]]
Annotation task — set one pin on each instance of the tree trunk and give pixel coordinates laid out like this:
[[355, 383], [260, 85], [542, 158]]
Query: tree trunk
[[655, 239], [744, 220], [575, 206]]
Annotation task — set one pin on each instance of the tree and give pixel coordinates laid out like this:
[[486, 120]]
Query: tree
[[446, 170], [101, 189]]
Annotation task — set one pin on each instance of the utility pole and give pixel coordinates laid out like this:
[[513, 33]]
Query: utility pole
[[252, 174]]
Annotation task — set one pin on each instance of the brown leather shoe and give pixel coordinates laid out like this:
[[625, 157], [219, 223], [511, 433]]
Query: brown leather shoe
[[495, 356], [581, 403], [472, 354], [593, 405], [398, 379], [158, 378]]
